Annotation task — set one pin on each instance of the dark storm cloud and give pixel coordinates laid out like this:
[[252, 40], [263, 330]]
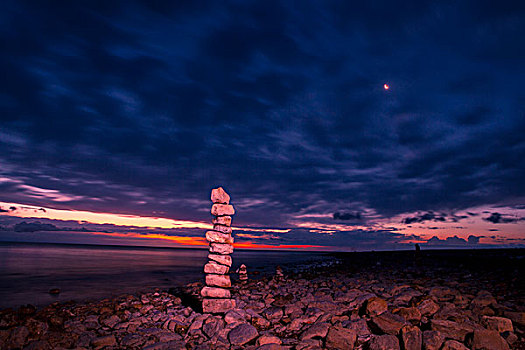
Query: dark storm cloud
[[347, 216], [497, 218], [142, 107], [34, 227], [453, 241], [429, 216]]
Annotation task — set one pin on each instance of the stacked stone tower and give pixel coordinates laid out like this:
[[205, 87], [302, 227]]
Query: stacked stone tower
[[216, 294]]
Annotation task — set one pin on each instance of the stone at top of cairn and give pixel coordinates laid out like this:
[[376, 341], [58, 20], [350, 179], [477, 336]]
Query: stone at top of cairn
[[219, 196]]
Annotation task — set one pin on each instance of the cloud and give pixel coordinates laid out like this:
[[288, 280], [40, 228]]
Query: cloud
[[254, 98], [473, 239], [34, 227], [429, 216], [497, 218], [453, 241], [347, 216]]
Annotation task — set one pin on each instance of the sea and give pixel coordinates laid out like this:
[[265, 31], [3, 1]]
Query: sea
[[28, 271]]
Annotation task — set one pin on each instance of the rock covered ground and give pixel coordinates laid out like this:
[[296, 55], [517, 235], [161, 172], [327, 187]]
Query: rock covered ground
[[438, 300]]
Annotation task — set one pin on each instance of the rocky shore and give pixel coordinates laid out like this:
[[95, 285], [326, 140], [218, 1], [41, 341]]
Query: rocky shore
[[375, 302]]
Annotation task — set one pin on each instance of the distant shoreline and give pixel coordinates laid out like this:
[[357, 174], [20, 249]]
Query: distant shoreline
[[122, 246]]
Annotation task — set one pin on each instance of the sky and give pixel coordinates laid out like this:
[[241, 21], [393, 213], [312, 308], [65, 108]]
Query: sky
[[118, 118]]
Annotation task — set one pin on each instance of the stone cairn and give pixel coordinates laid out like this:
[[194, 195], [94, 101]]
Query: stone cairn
[[243, 273], [279, 275], [216, 294]]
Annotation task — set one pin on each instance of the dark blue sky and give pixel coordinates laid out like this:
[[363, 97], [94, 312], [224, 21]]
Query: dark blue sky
[[142, 108]]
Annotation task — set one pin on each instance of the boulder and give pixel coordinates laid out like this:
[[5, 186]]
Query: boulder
[[317, 330], [242, 334], [219, 195], [375, 306], [214, 268], [359, 326], [104, 341], [18, 337], [215, 306], [212, 326], [388, 323], [483, 299], [273, 314], [111, 321], [340, 338], [222, 210], [214, 292], [384, 342], [411, 314], [488, 340], [432, 340], [235, 317], [309, 344], [221, 248], [271, 347], [268, 339], [517, 318], [453, 345], [221, 259], [412, 338], [500, 324], [218, 237], [428, 307], [450, 329]]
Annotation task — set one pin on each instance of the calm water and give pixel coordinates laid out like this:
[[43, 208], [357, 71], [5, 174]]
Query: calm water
[[28, 271]]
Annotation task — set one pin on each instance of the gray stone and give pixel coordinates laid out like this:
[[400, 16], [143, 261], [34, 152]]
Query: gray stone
[[317, 330], [219, 195], [218, 281], [454, 345], [222, 209], [222, 220], [384, 342], [214, 268], [101, 342], [500, 324], [340, 338], [221, 259], [432, 340], [223, 229], [388, 323], [111, 321], [310, 344], [451, 329], [268, 339], [488, 340], [214, 292], [221, 248], [215, 306], [428, 307], [18, 337], [412, 338], [375, 306], [242, 334], [218, 237]]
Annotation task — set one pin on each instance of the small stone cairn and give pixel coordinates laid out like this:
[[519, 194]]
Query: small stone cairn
[[216, 294], [279, 275], [243, 273]]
